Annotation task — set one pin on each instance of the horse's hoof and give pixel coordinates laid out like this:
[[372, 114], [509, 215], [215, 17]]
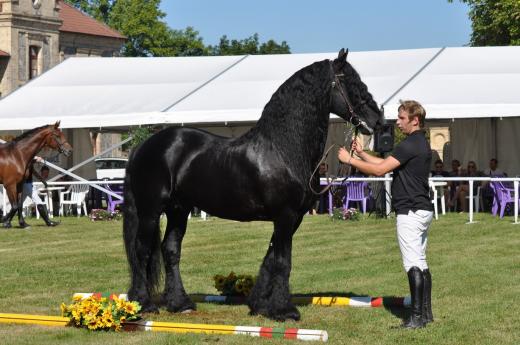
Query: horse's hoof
[[24, 226], [291, 313], [183, 309], [150, 309], [7, 225]]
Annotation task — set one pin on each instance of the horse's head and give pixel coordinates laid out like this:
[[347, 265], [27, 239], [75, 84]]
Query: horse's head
[[57, 141], [350, 98]]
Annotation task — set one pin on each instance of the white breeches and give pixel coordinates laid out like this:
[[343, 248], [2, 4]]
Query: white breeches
[[412, 235]]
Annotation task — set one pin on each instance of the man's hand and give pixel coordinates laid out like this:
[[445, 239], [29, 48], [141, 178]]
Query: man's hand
[[357, 146], [344, 156], [39, 159]]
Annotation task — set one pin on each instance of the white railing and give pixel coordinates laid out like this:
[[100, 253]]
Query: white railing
[[471, 181]]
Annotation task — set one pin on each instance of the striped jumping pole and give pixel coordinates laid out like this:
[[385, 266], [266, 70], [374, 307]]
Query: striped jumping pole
[[359, 302], [264, 332]]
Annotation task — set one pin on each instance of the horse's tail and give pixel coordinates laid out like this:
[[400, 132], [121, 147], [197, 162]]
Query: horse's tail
[[150, 242]]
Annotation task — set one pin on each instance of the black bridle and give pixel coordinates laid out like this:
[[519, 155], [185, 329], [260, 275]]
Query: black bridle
[[61, 145], [354, 120]]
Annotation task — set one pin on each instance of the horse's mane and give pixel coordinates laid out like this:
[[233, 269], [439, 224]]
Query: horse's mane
[[29, 133], [295, 120], [355, 83]]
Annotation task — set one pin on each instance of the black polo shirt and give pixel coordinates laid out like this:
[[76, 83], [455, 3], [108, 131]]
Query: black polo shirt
[[410, 190]]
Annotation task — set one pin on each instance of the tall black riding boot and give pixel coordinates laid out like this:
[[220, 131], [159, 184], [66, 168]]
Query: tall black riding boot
[[416, 281], [427, 297], [42, 209]]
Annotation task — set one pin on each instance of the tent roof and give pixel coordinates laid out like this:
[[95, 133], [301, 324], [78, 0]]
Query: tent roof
[[106, 92]]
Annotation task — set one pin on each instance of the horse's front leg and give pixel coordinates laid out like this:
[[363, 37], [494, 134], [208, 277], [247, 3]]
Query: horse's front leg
[[175, 296], [13, 200], [271, 294]]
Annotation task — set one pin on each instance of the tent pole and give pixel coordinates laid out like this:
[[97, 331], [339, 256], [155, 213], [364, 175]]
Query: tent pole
[[93, 157], [413, 76]]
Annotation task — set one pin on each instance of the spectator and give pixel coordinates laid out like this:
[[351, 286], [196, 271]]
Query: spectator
[[463, 189], [438, 170], [493, 170], [488, 193]]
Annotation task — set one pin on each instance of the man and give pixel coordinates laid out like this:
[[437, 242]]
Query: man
[[30, 191], [410, 161], [493, 170], [438, 170]]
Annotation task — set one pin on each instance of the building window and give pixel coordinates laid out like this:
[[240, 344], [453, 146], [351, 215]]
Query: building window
[[34, 53]]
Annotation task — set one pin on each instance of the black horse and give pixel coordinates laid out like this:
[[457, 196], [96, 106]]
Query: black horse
[[263, 175]]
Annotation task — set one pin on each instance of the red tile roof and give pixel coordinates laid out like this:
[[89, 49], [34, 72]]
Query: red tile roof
[[76, 21], [2, 53]]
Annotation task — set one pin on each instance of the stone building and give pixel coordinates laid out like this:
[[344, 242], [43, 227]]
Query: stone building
[[36, 35]]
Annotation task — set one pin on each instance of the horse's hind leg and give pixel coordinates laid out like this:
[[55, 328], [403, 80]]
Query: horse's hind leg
[[146, 268], [270, 295], [21, 198], [175, 296]]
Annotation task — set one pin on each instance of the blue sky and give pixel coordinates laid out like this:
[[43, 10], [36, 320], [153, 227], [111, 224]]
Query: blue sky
[[311, 26]]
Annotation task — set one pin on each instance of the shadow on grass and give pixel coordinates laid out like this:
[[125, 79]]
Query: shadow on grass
[[393, 304]]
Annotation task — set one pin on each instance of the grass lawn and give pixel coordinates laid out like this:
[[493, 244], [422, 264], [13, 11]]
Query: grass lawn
[[475, 269]]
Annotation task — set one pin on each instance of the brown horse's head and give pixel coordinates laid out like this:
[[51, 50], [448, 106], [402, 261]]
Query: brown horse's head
[[57, 141]]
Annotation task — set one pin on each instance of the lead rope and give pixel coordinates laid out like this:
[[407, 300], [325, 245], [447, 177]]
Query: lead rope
[[342, 168]]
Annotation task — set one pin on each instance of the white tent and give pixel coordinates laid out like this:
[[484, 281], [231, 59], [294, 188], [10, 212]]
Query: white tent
[[452, 83], [105, 92]]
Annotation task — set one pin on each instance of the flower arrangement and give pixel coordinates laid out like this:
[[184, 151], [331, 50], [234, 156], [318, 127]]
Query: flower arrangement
[[100, 313], [101, 214], [346, 214], [233, 285]]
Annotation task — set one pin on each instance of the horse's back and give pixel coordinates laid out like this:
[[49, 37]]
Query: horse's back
[[225, 177]]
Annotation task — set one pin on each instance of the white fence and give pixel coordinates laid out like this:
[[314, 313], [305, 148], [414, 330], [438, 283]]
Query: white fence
[[471, 181]]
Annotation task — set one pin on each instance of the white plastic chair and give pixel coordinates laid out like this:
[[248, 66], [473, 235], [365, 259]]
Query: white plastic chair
[[477, 200], [78, 194], [434, 200]]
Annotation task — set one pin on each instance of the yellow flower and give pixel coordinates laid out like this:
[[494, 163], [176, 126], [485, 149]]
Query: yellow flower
[[120, 303], [239, 287], [130, 308], [64, 309]]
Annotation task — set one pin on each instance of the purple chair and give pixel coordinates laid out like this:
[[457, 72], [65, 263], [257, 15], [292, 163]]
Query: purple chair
[[111, 201], [503, 196], [356, 192]]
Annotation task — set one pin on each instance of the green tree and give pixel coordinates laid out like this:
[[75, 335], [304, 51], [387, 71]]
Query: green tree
[[140, 21], [250, 45], [494, 22], [148, 35]]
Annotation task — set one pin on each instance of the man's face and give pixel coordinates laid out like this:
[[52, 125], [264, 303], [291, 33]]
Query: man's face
[[439, 167], [455, 165], [404, 123], [492, 164]]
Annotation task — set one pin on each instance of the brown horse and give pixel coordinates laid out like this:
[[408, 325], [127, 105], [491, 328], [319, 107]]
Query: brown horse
[[16, 159]]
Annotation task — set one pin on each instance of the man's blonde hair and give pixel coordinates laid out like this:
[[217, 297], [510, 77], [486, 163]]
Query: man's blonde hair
[[414, 109]]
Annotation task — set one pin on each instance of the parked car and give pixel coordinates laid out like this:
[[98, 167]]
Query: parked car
[[110, 168]]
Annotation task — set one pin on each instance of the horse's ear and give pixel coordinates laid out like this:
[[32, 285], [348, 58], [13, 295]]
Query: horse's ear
[[340, 62], [57, 124], [342, 55]]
